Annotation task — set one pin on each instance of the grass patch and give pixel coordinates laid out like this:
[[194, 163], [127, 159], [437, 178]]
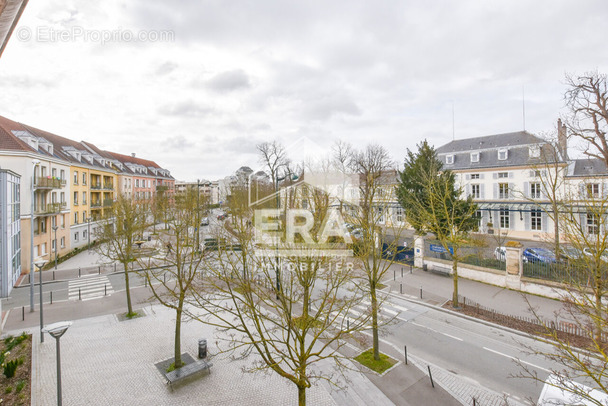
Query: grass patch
[[366, 358], [129, 316], [380, 286]]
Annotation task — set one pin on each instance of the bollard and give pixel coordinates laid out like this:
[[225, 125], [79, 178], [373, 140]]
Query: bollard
[[79, 296], [411, 268], [99, 271], [420, 291], [348, 324], [105, 289], [114, 266], [164, 278], [51, 297], [430, 376], [393, 275], [53, 275], [401, 288], [22, 313], [405, 348], [146, 282], [474, 401], [402, 272], [79, 272]]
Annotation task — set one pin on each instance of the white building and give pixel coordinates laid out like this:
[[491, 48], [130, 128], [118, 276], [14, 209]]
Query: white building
[[10, 231]]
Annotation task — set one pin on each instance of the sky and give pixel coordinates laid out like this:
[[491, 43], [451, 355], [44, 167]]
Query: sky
[[196, 85]]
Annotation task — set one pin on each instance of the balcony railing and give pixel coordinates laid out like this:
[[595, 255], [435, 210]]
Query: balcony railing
[[95, 204], [108, 186], [49, 208], [108, 202], [96, 186], [49, 183]]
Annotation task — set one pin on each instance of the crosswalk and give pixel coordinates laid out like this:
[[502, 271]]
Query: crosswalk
[[89, 287], [388, 311]]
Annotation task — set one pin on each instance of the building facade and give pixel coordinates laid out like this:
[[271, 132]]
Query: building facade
[[10, 230]]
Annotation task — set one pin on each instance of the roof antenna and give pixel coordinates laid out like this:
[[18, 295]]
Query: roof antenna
[[453, 127], [523, 105]]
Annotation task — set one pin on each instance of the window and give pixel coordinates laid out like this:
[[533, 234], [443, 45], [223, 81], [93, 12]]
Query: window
[[43, 249], [53, 221], [503, 190], [84, 197], [84, 234], [593, 224], [62, 174], [43, 171], [534, 151], [474, 176], [54, 172], [43, 226], [62, 242], [503, 175], [62, 221], [535, 190], [537, 174], [504, 217], [84, 216], [502, 154], [593, 190], [54, 197], [474, 156], [399, 214], [84, 178], [136, 182], [62, 197], [75, 198], [75, 236], [75, 177], [76, 219], [449, 159], [475, 191], [478, 216], [52, 245], [536, 219]]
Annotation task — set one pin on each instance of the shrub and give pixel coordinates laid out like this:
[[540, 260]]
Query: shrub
[[20, 385], [11, 366]]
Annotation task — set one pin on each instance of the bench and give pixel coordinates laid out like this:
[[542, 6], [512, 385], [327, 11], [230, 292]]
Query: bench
[[441, 270], [186, 371]]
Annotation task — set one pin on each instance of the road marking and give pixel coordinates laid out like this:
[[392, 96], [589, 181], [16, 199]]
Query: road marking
[[436, 331], [517, 359], [89, 287]]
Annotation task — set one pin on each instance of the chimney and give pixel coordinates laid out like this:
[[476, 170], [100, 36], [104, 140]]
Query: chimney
[[562, 139], [133, 154]]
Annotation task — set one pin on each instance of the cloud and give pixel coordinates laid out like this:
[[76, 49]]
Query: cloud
[[228, 81], [166, 68], [179, 142], [187, 108]]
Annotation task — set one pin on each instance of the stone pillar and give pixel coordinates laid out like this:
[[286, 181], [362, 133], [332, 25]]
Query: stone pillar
[[418, 251], [514, 265]]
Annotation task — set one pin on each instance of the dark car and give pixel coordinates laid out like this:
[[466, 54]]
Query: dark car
[[205, 221], [541, 255], [221, 217]]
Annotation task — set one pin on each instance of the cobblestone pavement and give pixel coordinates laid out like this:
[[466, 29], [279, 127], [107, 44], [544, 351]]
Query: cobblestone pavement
[[109, 362]]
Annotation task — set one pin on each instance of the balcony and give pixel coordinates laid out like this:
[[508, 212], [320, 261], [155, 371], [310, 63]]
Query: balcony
[[108, 202], [49, 208], [162, 188], [108, 186], [96, 186], [95, 204], [49, 183]]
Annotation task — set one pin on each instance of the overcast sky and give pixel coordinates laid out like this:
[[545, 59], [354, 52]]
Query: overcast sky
[[211, 79]]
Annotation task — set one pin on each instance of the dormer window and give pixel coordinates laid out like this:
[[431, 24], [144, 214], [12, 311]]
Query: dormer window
[[474, 156], [534, 151], [503, 154], [449, 159]]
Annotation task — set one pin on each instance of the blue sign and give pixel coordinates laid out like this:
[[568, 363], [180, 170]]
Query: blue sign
[[440, 249]]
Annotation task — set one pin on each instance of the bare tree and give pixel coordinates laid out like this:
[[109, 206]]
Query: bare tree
[[587, 100], [377, 181], [122, 226], [171, 276], [292, 329], [274, 157]]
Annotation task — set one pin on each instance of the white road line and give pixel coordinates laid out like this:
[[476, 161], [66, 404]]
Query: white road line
[[435, 331], [517, 359]]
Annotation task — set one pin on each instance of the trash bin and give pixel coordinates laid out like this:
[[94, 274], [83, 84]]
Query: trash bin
[[202, 348], [149, 238], [425, 268]]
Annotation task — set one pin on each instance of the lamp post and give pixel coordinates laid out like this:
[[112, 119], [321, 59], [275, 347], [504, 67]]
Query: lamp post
[[55, 232], [278, 202], [39, 264], [35, 162], [89, 232], [56, 330], [198, 215]]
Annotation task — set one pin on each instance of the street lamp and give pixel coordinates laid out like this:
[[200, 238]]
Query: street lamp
[[56, 330], [198, 215], [34, 163], [39, 264], [55, 232], [89, 232]]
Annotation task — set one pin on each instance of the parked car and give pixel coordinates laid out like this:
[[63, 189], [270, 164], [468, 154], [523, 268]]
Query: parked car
[[591, 253], [500, 254], [540, 255], [221, 216], [205, 221], [571, 253]]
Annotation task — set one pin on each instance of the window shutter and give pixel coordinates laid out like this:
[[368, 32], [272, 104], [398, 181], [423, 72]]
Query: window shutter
[[544, 218], [467, 190], [511, 175], [467, 176], [604, 190], [511, 190], [495, 175], [527, 221], [482, 192], [511, 219], [531, 174], [581, 191], [496, 191], [481, 176], [526, 189]]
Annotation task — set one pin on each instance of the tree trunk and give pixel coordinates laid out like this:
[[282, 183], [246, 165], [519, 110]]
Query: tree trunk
[[301, 395], [455, 278], [376, 341], [129, 307], [178, 328], [598, 290]]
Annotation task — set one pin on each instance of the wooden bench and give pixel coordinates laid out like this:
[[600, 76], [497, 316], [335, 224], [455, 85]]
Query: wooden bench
[[186, 371], [441, 270]]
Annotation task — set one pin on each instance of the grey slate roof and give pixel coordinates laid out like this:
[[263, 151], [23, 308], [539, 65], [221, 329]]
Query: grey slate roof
[[516, 143], [589, 167]]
